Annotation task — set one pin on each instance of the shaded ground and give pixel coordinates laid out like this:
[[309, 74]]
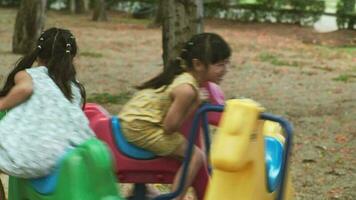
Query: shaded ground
[[307, 77]]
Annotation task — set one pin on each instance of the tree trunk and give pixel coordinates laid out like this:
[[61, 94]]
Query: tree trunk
[[225, 3], [29, 23], [100, 11], [71, 6], [181, 20], [157, 21], [350, 24], [350, 8], [78, 6], [81, 6]]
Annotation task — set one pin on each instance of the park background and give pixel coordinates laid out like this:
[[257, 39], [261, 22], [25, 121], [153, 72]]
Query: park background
[[297, 60]]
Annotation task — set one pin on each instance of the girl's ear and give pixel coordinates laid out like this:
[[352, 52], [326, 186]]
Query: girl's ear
[[198, 65]]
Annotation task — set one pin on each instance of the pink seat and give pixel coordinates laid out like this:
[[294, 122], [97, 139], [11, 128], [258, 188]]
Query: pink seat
[[129, 170], [159, 169]]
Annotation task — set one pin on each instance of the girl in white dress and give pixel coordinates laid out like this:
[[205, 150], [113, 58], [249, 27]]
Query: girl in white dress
[[43, 104]]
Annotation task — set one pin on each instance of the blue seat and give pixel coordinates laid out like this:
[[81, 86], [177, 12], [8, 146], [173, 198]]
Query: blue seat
[[47, 184], [274, 159], [124, 146]]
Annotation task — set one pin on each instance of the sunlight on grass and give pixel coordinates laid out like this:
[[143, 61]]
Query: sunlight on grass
[[274, 60], [91, 54], [328, 51], [348, 49], [103, 98], [128, 20], [345, 78], [267, 57]]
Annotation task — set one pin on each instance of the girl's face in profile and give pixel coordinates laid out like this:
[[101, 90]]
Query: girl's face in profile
[[217, 71]]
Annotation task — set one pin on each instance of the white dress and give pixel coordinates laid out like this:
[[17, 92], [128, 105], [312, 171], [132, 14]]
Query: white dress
[[36, 133]]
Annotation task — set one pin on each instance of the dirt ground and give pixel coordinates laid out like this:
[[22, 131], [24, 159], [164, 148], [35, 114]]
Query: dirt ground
[[307, 77]]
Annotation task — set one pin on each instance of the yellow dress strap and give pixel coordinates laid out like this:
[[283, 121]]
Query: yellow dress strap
[[185, 78]]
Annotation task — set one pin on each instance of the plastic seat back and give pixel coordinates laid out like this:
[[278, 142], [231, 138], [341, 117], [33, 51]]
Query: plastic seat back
[[274, 158], [125, 147]]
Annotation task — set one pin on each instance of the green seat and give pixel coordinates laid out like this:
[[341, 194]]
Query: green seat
[[2, 114], [84, 173]]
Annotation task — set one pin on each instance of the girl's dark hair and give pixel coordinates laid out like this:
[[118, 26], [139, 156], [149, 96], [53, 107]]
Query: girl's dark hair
[[209, 48], [56, 48]]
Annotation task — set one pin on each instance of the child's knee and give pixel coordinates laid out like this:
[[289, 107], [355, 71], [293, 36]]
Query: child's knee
[[199, 155]]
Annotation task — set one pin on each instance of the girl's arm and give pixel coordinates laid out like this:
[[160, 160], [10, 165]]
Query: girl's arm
[[21, 91], [184, 99]]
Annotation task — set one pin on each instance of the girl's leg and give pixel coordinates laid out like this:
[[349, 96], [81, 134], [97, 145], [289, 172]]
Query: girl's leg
[[152, 192], [196, 162]]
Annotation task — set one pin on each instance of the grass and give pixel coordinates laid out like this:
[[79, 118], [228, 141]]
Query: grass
[[348, 49], [345, 78], [274, 60], [329, 51], [91, 54], [125, 18], [104, 98], [128, 20]]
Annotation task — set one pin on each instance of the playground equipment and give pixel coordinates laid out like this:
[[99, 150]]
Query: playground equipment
[[84, 173], [240, 155], [135, 165], [245, 155], [2, 114], [261, 158], [239, 152]]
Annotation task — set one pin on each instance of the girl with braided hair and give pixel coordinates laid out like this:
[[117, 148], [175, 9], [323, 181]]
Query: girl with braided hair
[[153, 117], [43, 104]]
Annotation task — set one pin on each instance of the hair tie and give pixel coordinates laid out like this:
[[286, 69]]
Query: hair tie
[[67, 51], [68, 45]]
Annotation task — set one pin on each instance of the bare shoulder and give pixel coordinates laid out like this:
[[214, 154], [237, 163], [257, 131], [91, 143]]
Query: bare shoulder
[[22, 76], [184, 91]]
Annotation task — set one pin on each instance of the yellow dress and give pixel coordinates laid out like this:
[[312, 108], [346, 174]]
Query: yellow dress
[[142, 117]]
